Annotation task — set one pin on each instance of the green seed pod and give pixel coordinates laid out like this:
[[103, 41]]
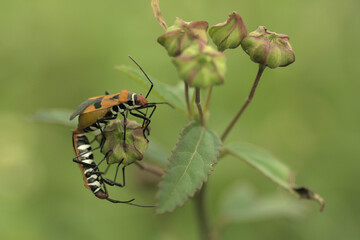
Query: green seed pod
[[201, 66], [183, 34], [268, 48], [230, 33], [135, 142]]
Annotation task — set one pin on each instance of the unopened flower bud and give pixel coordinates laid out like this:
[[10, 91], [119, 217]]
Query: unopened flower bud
[[135, 143], [230, 33], [201, 66], [268, 48], [183, 34]]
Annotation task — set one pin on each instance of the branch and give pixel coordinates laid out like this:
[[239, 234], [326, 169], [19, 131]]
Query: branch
[[197, 101], [157, 13], [155, 170], [246, 103]]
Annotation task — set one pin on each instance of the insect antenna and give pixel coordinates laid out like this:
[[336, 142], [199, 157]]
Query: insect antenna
[[145, 76], [154, 103]]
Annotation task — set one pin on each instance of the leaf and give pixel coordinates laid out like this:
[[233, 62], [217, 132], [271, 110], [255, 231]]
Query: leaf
[[272, 168], [57, 116], [166, 92], [190, 164], [241, 204]]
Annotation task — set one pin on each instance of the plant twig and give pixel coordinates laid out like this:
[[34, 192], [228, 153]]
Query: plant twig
[[187, 98], [157, 13], [206, 106], [155, 170], [198, 104], [246, 103], [201, 213]]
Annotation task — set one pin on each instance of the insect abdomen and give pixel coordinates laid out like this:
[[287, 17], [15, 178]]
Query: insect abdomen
[[91, 176]]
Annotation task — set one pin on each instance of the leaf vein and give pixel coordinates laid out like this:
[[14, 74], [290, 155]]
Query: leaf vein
[[190, 160]]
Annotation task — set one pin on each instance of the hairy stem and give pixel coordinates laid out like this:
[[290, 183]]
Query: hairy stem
[[198, 104], [246, 103]]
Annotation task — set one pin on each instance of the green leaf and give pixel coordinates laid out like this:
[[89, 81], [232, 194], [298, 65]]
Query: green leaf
[[55, 116], [166, 92], [272, 168], [240, 203], [190, 164]]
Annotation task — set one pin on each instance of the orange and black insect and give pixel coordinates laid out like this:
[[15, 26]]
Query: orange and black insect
[[95, 113]]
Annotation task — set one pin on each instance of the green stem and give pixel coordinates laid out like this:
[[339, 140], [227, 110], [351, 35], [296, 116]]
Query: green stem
[[198, 104], [149, 168], [206, 106], [246, 103], [187, 98], [201, 213]]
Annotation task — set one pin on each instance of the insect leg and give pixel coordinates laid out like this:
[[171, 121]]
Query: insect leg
[[147, 125], [124, 143], [82, 163], [105, 157], [115, 201], [113, 182], [127, 202], [103, 121], [81, 154], [145, 119]]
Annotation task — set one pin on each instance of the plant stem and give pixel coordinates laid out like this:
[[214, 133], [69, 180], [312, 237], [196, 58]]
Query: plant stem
[[155, 170], [206, 106], [187, 98], [198, 104], [246, 103], [157, 13], [201, 213]]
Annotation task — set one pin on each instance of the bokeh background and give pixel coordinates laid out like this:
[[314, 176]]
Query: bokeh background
[[54, 54]]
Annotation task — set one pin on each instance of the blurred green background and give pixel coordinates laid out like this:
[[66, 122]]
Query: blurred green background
[[54, 54]]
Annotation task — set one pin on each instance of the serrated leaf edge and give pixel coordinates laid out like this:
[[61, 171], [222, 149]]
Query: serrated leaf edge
[[169, 163]]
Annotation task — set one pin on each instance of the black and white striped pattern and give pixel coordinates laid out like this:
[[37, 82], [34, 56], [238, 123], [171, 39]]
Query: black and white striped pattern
[[86, 156]]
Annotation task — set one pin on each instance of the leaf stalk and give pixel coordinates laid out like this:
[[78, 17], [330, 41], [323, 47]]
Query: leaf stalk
[[246, 103]]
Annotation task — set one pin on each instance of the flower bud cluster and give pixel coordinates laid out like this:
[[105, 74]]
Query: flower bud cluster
[[135, 143], [182, 35], [201, 66], [198, 64]]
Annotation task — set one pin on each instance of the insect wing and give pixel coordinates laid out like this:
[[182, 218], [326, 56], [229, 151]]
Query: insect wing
[[109, 101], [88, 105]]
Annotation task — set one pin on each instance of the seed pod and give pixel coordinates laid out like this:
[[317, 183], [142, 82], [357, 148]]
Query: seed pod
[[201, 66], [135, 143], [182, 35], [268, 48], [230, 33]]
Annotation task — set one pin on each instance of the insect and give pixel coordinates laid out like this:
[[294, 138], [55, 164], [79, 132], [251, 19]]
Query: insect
[[94, 113], [92, 176]]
